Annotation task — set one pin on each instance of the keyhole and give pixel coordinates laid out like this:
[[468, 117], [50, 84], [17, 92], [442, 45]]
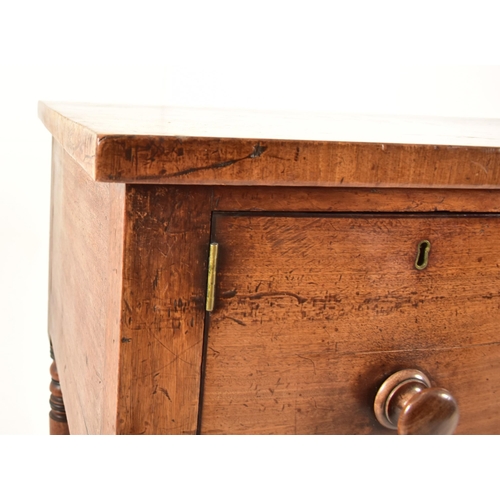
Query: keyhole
[[422, 255]]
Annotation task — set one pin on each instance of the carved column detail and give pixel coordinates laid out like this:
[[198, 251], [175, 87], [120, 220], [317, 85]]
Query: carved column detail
[[57, 415]]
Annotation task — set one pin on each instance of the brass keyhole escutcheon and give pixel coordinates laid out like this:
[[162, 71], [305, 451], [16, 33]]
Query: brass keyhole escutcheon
[[422, 259]]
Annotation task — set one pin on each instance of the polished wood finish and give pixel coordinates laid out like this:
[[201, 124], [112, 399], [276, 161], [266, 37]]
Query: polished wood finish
[[272, 199], [282, 163], [317, 296], [195, 146], [307, 305], [430, 412], [407, 402], [167, 231], [57, 417], [135, 121], [85, 288]]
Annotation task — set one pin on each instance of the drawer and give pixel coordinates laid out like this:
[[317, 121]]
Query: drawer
[[313, 311]]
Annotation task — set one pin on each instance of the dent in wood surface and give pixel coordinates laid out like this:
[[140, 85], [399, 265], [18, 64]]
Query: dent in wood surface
[[312, 313], [84, 292], [163, 309]]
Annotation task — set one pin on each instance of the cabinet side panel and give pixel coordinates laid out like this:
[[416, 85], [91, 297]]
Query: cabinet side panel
[[163, 311], [84, 292]]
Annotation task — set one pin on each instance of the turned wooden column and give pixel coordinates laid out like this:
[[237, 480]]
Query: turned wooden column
[[57, 415]]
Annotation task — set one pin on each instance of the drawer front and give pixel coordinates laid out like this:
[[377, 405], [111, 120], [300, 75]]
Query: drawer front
[[312, 313]]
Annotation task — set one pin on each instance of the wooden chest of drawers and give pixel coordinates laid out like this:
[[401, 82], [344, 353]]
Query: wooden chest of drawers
[[244, 272]]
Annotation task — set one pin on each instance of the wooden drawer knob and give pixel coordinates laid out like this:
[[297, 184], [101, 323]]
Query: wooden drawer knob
[[407, 402]]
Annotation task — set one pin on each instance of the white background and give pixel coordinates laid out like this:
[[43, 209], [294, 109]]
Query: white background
[[425, 58]]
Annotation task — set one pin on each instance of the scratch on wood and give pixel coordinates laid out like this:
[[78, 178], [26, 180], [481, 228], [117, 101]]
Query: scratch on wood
[[485, 170], [155, 281], [164, 391], [260, 295], [214, 351], [308, 359], [235, 320], [257, 151], [471, 346]]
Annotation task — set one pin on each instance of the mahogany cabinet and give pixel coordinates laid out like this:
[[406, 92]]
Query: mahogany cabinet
[[227, 272]]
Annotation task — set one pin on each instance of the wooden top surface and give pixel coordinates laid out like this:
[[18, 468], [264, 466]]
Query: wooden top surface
[[221, 146], [298, 126]]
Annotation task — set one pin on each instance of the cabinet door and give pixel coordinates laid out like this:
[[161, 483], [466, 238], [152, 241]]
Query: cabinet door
[[313, 312]]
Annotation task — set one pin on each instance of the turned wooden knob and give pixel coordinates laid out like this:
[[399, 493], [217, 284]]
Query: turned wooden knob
[[407, 402]]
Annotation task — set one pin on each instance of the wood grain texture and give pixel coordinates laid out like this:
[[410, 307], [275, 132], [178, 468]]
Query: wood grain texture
[[196, 146], [313, 313], [318, 299], [432, 411], [293, 163], [106, 120], [166, 249], [86, 250], [290, 199], [76, 139]]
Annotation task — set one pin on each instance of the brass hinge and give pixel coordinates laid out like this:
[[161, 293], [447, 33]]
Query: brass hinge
[[212, 272]]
